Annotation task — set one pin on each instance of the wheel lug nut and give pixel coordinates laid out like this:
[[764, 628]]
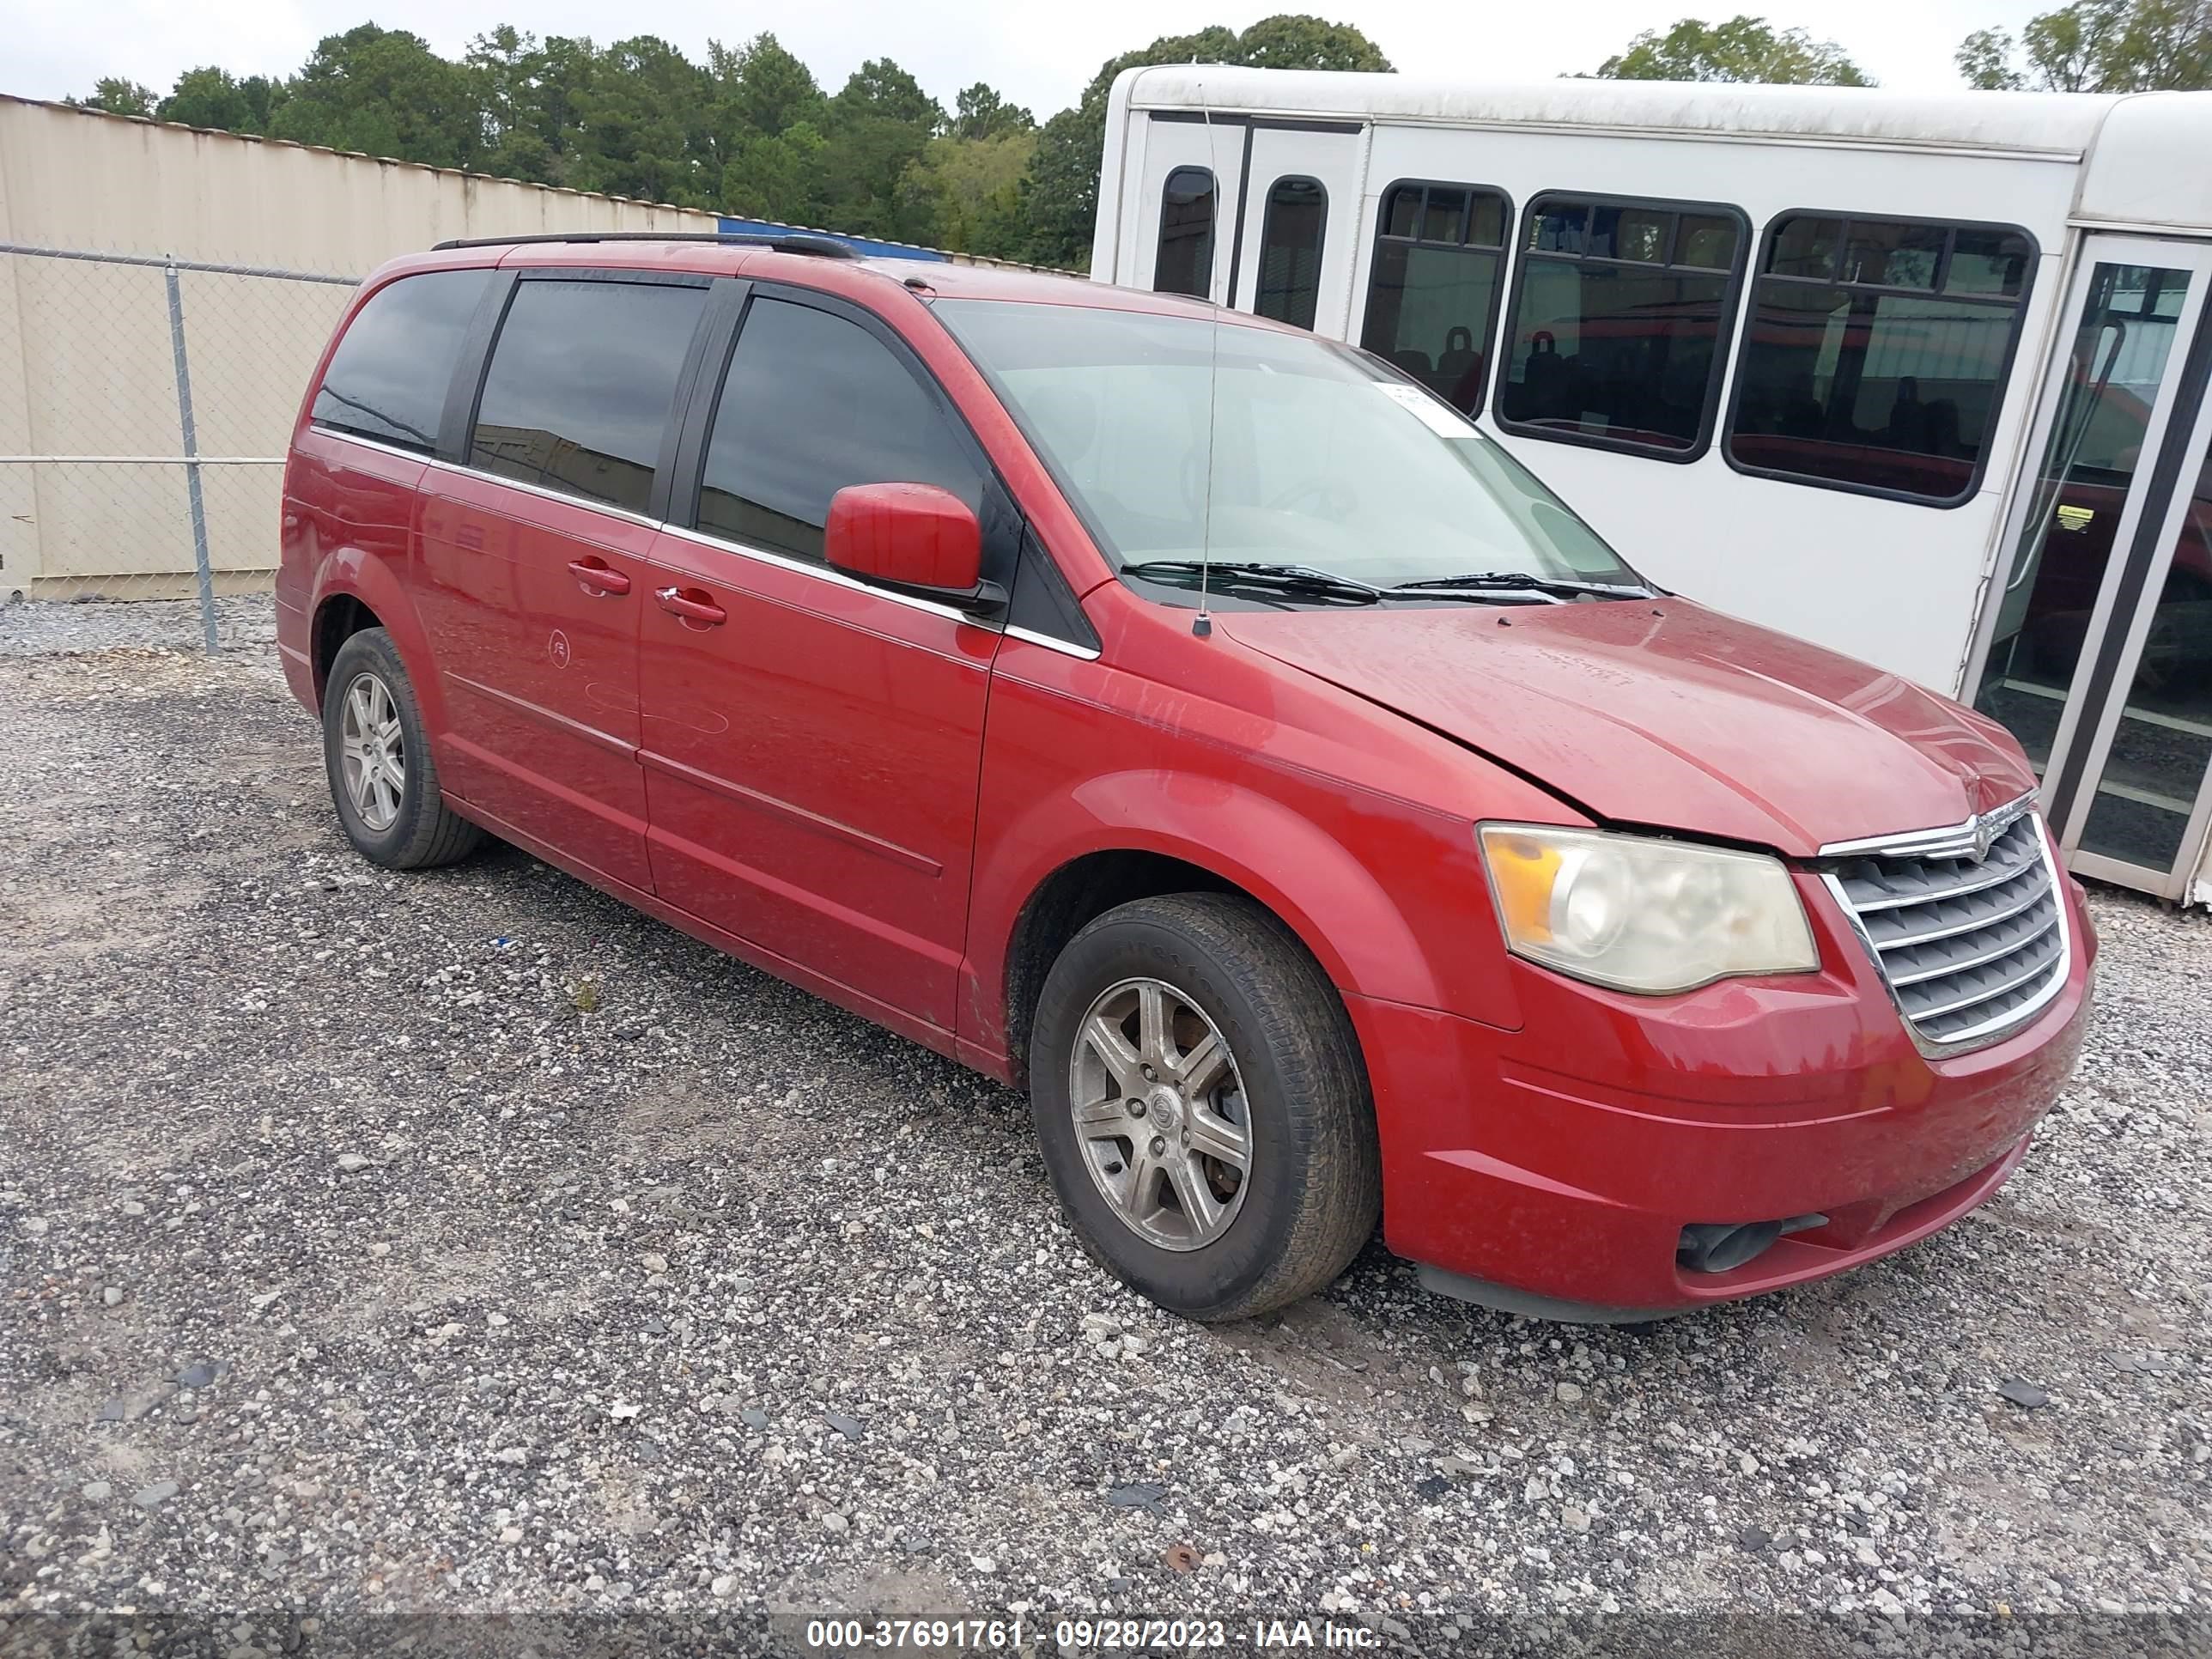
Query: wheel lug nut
[[1159, 1145], [1151, 1076], [1136, 1108]]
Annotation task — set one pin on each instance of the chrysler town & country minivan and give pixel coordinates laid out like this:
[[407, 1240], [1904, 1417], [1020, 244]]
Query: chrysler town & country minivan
[[1195, 723]]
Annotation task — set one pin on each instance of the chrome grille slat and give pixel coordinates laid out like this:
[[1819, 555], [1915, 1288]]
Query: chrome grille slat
[[2037, 961], [1969, 948], [2031, 893], [1987, 874], [1996, 953]]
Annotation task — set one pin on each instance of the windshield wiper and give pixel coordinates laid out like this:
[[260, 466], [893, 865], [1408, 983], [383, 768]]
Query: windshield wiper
[[1248, 573], [1520, 581]]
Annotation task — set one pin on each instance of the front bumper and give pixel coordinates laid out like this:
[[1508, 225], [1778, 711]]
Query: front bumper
[[1552, 1169]]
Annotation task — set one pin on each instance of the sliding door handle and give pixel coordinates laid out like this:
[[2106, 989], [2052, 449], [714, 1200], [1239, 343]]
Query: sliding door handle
[[692, 604], [598, 577]]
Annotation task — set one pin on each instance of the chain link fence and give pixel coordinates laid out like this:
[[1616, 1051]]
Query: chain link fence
[[145, 407]]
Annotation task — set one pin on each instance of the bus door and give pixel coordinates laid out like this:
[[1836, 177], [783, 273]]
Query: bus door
[[1297, 238], [2097, 630]]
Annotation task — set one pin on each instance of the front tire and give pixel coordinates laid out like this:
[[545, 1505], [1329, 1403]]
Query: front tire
[[1202, 1107], [383, 778]]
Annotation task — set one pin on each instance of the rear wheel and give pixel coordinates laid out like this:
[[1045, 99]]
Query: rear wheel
[[383, 778], [1202, 1108]]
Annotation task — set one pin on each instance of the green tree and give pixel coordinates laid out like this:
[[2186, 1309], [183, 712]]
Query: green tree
[[386, 92], [1059, 196], [509, 71], [761, 89], [118, 97], [1293, 40], [2098, 45], [973, 189], [1744, 49], [213, 97], [980, 113], [643, 126], [878, 125]]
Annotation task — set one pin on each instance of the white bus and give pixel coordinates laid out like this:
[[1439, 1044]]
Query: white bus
[[1922, 379]]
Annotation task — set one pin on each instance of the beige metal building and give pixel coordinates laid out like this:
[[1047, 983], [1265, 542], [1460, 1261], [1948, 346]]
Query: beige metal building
[[94, 494]]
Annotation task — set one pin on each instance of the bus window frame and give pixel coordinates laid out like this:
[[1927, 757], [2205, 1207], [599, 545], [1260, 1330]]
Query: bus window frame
[[1504, 251], [1712, 410], [2007, 365]]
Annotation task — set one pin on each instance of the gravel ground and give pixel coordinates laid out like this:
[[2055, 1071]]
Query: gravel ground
[[467, 1242]]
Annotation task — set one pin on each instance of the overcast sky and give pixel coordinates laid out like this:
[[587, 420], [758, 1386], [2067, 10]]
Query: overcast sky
[[1039, 52]]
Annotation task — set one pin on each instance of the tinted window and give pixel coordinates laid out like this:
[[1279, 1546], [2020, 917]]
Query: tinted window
[[388, 378], [1186, 259], [1290, 252], [582, 384], [1432, 300], [1619, 313], [1876, 352], [813, 403]]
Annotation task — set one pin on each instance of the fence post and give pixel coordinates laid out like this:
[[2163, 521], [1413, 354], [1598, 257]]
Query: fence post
[[191, 454]]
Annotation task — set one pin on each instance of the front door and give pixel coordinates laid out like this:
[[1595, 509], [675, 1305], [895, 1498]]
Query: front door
[[812, 744], [2098, 656], [1297, 228], [533, 560]]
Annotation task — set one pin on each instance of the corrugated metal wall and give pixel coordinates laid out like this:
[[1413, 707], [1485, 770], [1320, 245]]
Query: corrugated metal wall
[[85, 348]]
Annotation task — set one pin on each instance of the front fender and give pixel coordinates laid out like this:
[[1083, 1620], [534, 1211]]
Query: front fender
[[1362, 931]]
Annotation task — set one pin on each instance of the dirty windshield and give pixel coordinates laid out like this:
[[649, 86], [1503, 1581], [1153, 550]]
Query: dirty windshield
[[1179, 440]]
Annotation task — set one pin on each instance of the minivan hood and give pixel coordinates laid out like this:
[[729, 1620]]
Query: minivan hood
[[1662, 713]]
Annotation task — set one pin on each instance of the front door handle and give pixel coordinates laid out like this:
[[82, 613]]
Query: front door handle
[[691, 604], [598, 577]]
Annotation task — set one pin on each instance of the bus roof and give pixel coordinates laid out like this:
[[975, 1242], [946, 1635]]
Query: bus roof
[[2132, 142]]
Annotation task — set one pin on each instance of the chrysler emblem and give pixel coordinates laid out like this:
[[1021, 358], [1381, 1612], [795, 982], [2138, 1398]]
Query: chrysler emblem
[[1983, 835]]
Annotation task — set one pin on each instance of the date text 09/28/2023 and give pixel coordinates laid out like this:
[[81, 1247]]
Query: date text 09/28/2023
[[1092, 1635]]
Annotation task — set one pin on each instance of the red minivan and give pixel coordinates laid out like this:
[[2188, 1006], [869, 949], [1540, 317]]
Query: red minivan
[[1196, 723]]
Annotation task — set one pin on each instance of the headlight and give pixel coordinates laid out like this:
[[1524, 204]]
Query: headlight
[[1642, 914]]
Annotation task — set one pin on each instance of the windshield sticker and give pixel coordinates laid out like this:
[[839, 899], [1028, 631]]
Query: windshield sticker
[[1443, 422]]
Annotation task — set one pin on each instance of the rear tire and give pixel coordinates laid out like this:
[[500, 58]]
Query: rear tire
[[1156, 1196], [383, 778]]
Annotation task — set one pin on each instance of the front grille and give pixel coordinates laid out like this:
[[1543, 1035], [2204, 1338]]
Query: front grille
[[1970, 948]]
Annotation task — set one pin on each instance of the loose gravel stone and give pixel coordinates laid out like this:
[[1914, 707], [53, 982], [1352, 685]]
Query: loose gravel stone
[[210, 999]]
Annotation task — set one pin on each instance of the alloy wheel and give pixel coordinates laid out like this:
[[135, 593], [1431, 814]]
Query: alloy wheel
[[1160, 1114], [372, 752]]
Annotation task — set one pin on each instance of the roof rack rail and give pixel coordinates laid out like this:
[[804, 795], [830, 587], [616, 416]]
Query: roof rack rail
[[823, 247]]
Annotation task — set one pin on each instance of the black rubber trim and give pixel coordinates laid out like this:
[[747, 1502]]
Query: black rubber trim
[[2102, 684], [1724, 332], [1502, 251], [1000, 519], [2019, 304], [1270, 123], [613, 273], [684, 455], [1044, 604], [466, 386], [1237, 234]]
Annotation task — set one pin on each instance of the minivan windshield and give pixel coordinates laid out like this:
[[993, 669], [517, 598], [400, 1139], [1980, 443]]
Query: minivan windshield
[[1179, 439]]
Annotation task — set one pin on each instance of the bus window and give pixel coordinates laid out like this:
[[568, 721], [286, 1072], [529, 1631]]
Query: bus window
[[1432, 300], [1876, 354], [1185, 264], [1290, 252], [1620, 311]]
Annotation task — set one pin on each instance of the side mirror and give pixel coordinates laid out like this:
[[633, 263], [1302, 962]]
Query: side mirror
[[909, 535]]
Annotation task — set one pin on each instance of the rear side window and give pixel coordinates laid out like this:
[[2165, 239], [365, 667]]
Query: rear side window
[[814, 402], [582, 384], [1290, 252], [387, 379], [1877, 351], [1185, 264], [1620, 313], [1432, 301]]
